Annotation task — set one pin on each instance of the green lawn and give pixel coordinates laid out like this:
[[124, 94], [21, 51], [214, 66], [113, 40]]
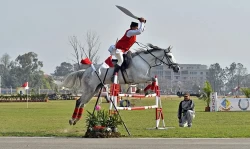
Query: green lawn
[[51, 119]]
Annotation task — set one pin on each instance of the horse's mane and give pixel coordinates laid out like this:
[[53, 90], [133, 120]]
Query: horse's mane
[[142, 50]]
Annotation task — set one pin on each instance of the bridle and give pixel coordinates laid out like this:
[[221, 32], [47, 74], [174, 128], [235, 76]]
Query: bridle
[[169, 63]]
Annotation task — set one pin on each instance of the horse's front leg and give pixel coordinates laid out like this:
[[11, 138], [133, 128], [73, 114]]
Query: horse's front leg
[[150, 80]]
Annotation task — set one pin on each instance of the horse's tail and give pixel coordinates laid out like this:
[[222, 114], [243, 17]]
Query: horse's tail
[[73, 79]]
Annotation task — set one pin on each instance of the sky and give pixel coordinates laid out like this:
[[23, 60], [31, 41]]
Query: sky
[[200, 31]]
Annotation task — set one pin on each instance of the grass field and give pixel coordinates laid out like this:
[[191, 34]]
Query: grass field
[[51, 119]]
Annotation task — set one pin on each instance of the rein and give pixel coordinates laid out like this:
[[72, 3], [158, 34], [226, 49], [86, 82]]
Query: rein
[[169, 64]]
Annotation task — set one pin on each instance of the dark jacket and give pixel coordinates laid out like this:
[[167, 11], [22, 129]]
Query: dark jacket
[[184, 106]]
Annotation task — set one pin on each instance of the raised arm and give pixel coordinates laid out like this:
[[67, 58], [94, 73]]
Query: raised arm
[[138, 31]]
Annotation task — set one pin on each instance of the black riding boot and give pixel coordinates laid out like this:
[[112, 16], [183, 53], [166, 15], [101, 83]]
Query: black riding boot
[[116, 70]]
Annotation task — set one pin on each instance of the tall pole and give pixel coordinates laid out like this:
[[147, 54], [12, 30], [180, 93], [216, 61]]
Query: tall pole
[[27, 98]]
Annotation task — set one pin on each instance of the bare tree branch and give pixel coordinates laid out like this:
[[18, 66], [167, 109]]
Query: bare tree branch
[[93, 45], [74, 43]]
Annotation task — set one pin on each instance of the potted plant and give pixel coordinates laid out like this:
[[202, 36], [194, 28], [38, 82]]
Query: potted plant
[[113, 122], [102, 119], [101, 124], [246, 92], [205, 95], [91, 120]]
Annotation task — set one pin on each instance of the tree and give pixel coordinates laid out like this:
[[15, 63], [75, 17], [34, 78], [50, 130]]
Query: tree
[[1, 69], [216, 76], [64, 69], [5, 61], [231, 75], [47, 82], [236, 76], [26, 67], [29, 62], [93, 45], [4, 69], [241, 72], [246, 81]]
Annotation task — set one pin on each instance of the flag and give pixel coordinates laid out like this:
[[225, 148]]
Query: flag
[[108, 62], [86, 61], [26, 85]]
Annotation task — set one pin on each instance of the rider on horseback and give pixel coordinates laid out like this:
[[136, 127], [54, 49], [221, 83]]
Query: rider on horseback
[[124, 44]]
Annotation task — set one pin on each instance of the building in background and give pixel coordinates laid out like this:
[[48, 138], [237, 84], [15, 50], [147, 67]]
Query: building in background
[[191, 77]]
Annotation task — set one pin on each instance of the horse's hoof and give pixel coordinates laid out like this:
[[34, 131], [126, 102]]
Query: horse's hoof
[[70, 122]]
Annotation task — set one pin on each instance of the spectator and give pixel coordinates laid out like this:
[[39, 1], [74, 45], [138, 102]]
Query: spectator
[[186, 111]]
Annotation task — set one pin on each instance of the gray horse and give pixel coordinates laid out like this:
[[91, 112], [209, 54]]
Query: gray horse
[[138, 72]]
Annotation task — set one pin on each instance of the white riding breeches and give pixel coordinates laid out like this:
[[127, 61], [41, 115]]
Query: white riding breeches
[[117, 53], [119, 56]]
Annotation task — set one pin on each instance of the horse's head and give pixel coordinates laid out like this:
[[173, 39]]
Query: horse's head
[[167, 54], [170, 56]]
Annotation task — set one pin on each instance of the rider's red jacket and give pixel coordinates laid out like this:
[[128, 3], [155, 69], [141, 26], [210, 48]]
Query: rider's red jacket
[[125, 42]]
